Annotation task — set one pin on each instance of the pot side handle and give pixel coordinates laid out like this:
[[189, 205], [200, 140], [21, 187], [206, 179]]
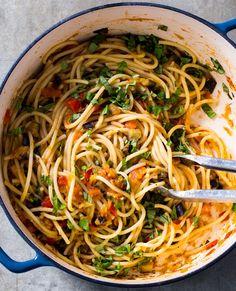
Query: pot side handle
[[226, 26], [19, 267]]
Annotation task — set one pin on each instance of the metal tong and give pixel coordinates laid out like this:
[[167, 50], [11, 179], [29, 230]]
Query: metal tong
[[214, 195]]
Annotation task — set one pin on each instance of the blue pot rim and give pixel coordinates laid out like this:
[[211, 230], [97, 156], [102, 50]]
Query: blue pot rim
[[16, 226]]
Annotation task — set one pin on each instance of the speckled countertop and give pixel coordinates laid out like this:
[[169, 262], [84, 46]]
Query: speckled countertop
[[20, 23]]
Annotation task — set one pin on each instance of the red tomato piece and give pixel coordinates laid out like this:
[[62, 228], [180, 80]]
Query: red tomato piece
[[87, 174], [62, 181], [113, 210], [211, 244], [47, 203], [228, 234], [51, 240], [50, 92], [132, 124], [96, 108], [7, 117], [74, 105]]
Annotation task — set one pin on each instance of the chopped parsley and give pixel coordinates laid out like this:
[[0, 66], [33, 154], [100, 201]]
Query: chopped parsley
[[105, 72], [75, 95], [196, 220], [163, 27], [87, 197], [45, 108], [123, 250], [155, 109], [69, 224], [96, 40], [106, 110], [174, 213], [185, 60], [234, 207], [118, 205], [84, 224], [145, 155], [159, 70], [19, 103], [74, 117], [15, 131], [89, 96], [28, 108], [92, 48], [64, 65], [119, 98], [105, 83], [101, 264], [226, 90], [169, 142], [121, 67], [217, 66], [46, 180], [125, 164], [57, 205], [209, 111], [118, 268], [179, 141], [133, 145], [165, 218]]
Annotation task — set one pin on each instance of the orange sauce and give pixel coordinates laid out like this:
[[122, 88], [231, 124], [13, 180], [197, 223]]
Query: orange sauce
[[227, 114]]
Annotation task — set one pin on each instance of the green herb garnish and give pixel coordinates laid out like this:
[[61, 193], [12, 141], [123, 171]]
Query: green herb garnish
[[45, 108], [185, 60], [121, 67], [125, 164], [119, 98], [57, 205], [196, 220], [165, 218], [133, 144], [101, 264], [106, 110], [145, 155], [105, 72], [105, 83], [209, 111], [84, 224], [46, 180], [226, 90], [89, 96], [217, 66], [159, 70], [69, 224], [87, 197], [163, 27], [64, 65], [174, 213], [15, 131], [92, 47], [234, 207], [123, 250], [74, 117], [118, 205], [28, 108]]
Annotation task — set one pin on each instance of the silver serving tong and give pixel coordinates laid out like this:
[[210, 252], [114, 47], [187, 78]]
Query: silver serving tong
[[214, 195]]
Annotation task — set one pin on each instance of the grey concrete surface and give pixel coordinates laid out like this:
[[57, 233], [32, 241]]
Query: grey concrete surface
[[20, 23]]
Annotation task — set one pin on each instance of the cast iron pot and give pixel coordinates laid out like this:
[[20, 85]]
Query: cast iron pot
[[207, 39]]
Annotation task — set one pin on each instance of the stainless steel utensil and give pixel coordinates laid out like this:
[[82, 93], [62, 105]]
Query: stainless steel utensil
[[213, 195]]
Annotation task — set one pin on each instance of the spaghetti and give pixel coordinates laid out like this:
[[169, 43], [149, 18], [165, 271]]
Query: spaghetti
[[90, 139]]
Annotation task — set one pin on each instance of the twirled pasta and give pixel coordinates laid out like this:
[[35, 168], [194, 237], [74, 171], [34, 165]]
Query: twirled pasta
[[90, 139]]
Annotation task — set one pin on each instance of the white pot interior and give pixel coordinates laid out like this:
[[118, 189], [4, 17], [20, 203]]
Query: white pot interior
[[139, 20]]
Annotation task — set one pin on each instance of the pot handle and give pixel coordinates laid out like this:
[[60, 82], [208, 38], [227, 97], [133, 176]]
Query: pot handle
[[19, 267], [226, 26]]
